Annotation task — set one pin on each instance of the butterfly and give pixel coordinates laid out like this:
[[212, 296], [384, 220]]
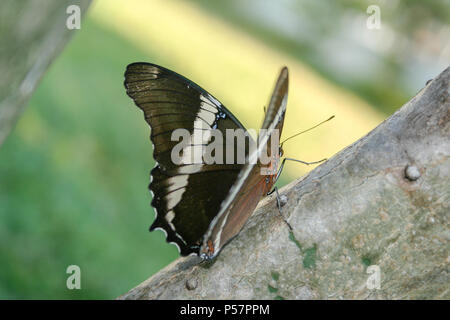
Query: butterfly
[[202, 206]]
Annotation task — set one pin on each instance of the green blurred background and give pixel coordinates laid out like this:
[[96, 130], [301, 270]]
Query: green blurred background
[[74, 172]]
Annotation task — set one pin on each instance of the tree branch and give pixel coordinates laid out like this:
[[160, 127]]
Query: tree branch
[[382, 201], [33, 35]]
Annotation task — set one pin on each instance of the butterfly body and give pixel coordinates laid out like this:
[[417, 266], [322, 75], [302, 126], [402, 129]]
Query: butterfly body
[[201, 206]]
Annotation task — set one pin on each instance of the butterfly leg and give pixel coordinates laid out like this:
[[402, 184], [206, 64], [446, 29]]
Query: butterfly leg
[[275, 189], [279, 205], [296, 160]]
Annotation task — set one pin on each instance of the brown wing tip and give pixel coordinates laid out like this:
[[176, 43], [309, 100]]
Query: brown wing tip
[[283, 78]]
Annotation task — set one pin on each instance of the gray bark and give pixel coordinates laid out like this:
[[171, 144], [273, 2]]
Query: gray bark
[[32, 34], [383, 202]]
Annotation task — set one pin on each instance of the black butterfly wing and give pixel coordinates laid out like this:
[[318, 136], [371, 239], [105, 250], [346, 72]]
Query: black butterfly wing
[[186, 197]]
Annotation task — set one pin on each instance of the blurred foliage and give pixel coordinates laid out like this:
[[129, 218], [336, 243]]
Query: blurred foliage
[[74, 176], [330, 34]]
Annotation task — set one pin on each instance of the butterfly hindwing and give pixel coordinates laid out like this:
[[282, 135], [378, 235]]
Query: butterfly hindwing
[[252, 182]]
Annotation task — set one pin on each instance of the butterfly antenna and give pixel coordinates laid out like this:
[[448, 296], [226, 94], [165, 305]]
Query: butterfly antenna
[[297, 134]]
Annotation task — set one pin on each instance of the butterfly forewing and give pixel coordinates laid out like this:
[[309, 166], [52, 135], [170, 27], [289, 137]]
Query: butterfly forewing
[[186, 197]]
